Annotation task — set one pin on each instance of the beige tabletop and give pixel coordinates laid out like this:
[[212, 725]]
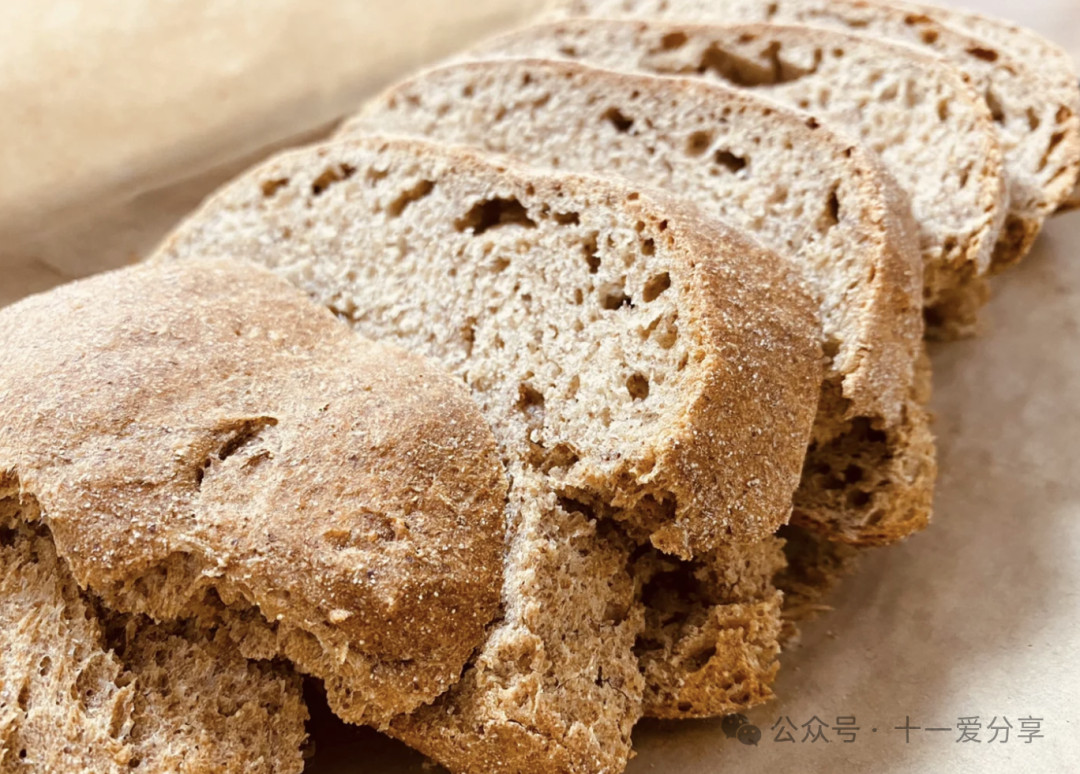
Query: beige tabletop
[[979, 617]]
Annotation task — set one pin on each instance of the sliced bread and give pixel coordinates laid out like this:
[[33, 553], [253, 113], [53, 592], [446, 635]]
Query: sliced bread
[[82, 691], [1035, 52], [935, 135], [802, 189], [615, 340], [1038, 121], [205, 442]]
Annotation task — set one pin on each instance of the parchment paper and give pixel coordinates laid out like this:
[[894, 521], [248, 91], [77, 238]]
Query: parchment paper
[[979, 617]]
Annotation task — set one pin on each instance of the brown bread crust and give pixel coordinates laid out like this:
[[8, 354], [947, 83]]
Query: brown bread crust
[[201, 435]]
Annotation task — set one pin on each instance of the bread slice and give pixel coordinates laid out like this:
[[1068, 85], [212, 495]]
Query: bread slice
[[205, 442], [614, 339], [80, 691], [935, 135], [1039, 122], [1021, 44], [613, 336], [793, 183]]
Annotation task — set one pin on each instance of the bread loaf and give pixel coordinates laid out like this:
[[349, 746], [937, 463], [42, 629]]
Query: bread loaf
[[621, 346], [934, 134], [206, 443], [802, 189]]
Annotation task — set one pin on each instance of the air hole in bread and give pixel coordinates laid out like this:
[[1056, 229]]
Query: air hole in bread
[[374, 175], [729, 161], [1033, 119], [271, 187], [648, 247], [929, 37], [613, 296], [673, 41], [747, 73], [242, 434], [615, 117], [655, 287], [859, 499], [943, 110], [331, 175], [414, 194], [493, 213], [591, 250], [831, 216], [664, 330], [530, 400], [1055, 141], [567, 218], [985, 54], [853, 474], [996, 109], [572, 505], [698, 142], [638, 386], [700, 660]]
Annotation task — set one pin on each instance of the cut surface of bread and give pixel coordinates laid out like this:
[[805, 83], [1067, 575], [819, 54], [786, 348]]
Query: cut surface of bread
[[935, 135], [83, 692], [606, 332], [202, 434], [802, 189], [1039, 122], [664, 367], [1035, 52]]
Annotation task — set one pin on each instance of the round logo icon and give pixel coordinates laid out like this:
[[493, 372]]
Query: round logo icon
[[732, 723], [749, 734]]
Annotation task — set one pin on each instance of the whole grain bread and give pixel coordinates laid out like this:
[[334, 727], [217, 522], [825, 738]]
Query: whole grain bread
[[1038, 120], [84, 691], [625, 351], [804, 190], [200, 436], [712, 629], [1034, 51], [935, 135], [617, 342]]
